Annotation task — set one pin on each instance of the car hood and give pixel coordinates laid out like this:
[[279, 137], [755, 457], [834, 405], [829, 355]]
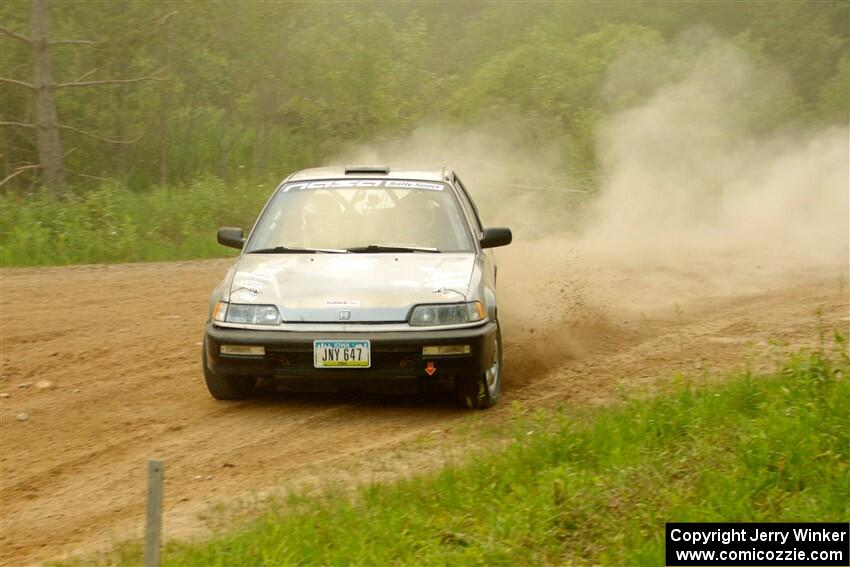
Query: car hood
[[366, 288]]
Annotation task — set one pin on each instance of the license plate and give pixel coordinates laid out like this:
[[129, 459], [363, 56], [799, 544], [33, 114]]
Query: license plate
[[342, 354]]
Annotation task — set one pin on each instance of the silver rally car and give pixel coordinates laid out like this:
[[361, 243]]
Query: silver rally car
[[360, 278]]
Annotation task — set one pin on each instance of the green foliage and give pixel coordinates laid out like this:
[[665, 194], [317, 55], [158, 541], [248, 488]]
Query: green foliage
[[252, 91], [113, 224], [585, 490]]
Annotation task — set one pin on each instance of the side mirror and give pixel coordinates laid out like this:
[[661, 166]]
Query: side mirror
[[495, 237], [231, 236]]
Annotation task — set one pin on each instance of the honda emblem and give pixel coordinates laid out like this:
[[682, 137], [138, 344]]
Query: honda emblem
[[344, 315]]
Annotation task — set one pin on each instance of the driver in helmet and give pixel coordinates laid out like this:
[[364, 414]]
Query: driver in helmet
[[418, 217]]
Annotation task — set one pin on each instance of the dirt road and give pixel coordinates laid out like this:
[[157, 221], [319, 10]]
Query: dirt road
[[119, 349]]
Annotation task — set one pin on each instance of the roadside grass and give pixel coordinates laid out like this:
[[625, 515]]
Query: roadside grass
[[113, 224], [583, 490]]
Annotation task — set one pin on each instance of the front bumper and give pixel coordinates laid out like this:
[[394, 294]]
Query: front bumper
[[397, 361]]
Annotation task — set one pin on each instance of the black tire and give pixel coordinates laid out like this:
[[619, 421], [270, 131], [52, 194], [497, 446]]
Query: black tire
[[482, 391], [224, 387]]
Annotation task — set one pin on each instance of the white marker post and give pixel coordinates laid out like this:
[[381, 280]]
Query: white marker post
[[153, 520]]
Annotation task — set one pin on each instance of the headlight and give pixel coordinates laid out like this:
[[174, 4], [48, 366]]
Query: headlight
[[443, 314], [247, 314]]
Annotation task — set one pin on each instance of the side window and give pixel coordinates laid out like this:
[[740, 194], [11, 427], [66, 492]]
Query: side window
[[469, 205]]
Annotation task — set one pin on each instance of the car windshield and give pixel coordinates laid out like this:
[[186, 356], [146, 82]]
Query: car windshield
[[362, 215]]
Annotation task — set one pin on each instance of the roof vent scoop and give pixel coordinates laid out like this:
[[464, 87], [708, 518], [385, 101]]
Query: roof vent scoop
[[382, 169]]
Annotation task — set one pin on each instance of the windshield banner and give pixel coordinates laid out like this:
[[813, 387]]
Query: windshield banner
[[355, 183]]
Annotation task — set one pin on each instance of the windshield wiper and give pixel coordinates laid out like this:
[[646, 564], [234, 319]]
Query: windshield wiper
[[391, 248], [288, 250]]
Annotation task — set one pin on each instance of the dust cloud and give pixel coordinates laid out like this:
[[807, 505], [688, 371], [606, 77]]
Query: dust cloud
[[700, 197], [699, 194], [688, 174]]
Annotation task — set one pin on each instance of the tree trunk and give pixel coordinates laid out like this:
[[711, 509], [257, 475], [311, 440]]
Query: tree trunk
[[49, 143]]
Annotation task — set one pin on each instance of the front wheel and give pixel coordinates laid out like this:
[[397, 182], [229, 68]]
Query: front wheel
[[224, 387], [482, 391]]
